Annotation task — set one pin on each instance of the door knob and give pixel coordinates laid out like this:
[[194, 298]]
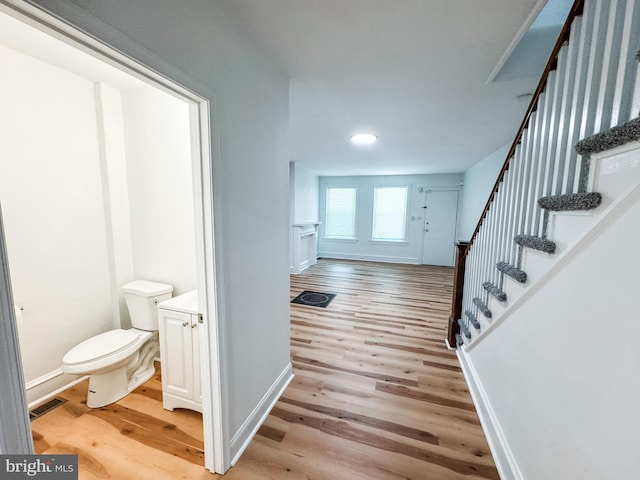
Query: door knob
[[184, 324]]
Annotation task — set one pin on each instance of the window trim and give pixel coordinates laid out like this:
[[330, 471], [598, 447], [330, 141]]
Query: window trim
[[354, 238], [383, 241], [389, 242]]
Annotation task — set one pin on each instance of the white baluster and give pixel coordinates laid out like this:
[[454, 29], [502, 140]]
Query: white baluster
[[581, 40], [544, 107], [556, 124], [627, 65], [594, 63], [554, 85]]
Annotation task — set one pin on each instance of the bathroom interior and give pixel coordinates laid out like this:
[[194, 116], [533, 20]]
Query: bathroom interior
[[96, 191]]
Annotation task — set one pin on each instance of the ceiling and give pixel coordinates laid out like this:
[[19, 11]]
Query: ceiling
[[435, 80]]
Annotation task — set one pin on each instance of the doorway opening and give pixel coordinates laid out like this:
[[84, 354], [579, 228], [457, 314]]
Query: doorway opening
[[106, 177]]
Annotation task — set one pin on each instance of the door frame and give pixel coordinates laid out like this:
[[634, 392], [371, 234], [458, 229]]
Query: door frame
[[16, 430], [108, 46]]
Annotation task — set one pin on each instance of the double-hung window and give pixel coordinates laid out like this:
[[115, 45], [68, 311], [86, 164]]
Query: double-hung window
[[390, 214], [340, 213]]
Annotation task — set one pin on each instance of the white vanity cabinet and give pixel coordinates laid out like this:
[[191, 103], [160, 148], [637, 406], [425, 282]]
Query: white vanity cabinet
[[179, 325]]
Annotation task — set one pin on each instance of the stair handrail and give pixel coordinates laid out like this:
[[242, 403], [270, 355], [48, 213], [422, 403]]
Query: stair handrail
[[463, 248], [576, 10]]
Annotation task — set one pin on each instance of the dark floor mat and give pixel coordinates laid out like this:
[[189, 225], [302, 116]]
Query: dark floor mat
[[314, 299]]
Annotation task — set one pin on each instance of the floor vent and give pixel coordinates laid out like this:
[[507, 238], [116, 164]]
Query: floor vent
[[46, 407]]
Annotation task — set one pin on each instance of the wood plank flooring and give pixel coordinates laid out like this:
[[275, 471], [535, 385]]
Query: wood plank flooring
[[376, 396], [134, 438]]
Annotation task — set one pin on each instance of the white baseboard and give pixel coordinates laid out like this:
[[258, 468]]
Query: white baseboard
[[500, 449], [43, 379], [370, 258], [249, 428], [49, 385], [302, 267]]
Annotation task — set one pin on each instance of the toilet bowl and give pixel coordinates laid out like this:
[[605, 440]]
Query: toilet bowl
[[119, 361], [104, 352]]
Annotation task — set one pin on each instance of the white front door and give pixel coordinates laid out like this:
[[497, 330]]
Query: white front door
[[440, 221]]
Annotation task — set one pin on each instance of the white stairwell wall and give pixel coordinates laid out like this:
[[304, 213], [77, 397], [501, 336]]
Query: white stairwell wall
[[556, 373]]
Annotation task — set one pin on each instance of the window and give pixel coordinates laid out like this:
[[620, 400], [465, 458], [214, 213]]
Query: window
[[389, 214], [340, 221]]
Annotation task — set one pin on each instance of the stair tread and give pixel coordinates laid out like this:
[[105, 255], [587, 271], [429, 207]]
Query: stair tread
[[537, 243], [571, 202], [611, 138], [472, 319], [495, 291], [514, 272], [482, 307], [464, 328]]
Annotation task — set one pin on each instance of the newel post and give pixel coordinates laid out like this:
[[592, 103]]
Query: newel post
[[458, 288]]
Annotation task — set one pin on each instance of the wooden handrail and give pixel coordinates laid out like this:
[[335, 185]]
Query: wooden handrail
[[458, 287], [576, 10]]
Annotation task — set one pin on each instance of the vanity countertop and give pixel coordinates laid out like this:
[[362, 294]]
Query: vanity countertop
[[187, 302]]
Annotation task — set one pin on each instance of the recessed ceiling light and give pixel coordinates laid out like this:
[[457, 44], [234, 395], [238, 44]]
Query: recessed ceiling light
[[364, 139]]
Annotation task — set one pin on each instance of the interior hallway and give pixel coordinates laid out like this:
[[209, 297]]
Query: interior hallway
[[376, 396]]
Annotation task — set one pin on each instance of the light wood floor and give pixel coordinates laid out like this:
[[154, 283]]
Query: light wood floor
[[376, 396]]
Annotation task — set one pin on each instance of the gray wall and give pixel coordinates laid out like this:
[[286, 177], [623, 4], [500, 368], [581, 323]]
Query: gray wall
[[478, 182]]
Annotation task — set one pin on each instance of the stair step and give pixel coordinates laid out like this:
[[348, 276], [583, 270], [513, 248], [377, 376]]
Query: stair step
[[515, 273], [459, 340], [482, 307], [495, 291], [537, 243], [571, 202], [464, 329], [472, 319], [614, 137]]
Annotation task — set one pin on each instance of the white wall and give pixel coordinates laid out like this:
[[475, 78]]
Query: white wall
[[158, 152], [561, 373], [306, 194], [52, 200], [478, 182], [363, 248], [65, 193], [249, 137], [116, 196]]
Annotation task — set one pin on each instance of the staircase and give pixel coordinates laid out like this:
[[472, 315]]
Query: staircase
[[545, 316], [583, 105]]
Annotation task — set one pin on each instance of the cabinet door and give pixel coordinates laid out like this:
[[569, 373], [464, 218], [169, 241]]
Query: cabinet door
[[176, 352], [195, 341]]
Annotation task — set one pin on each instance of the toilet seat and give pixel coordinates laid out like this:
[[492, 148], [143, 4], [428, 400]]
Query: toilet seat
[[103, 350]]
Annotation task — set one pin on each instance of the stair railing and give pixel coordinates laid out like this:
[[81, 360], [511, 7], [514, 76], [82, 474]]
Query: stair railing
[[587, 86]]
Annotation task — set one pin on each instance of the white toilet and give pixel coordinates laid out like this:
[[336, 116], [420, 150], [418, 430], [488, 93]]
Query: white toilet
[[119, 361]]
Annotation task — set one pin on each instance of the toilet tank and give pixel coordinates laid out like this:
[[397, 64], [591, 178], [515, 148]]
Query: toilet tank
[[142, 297]]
